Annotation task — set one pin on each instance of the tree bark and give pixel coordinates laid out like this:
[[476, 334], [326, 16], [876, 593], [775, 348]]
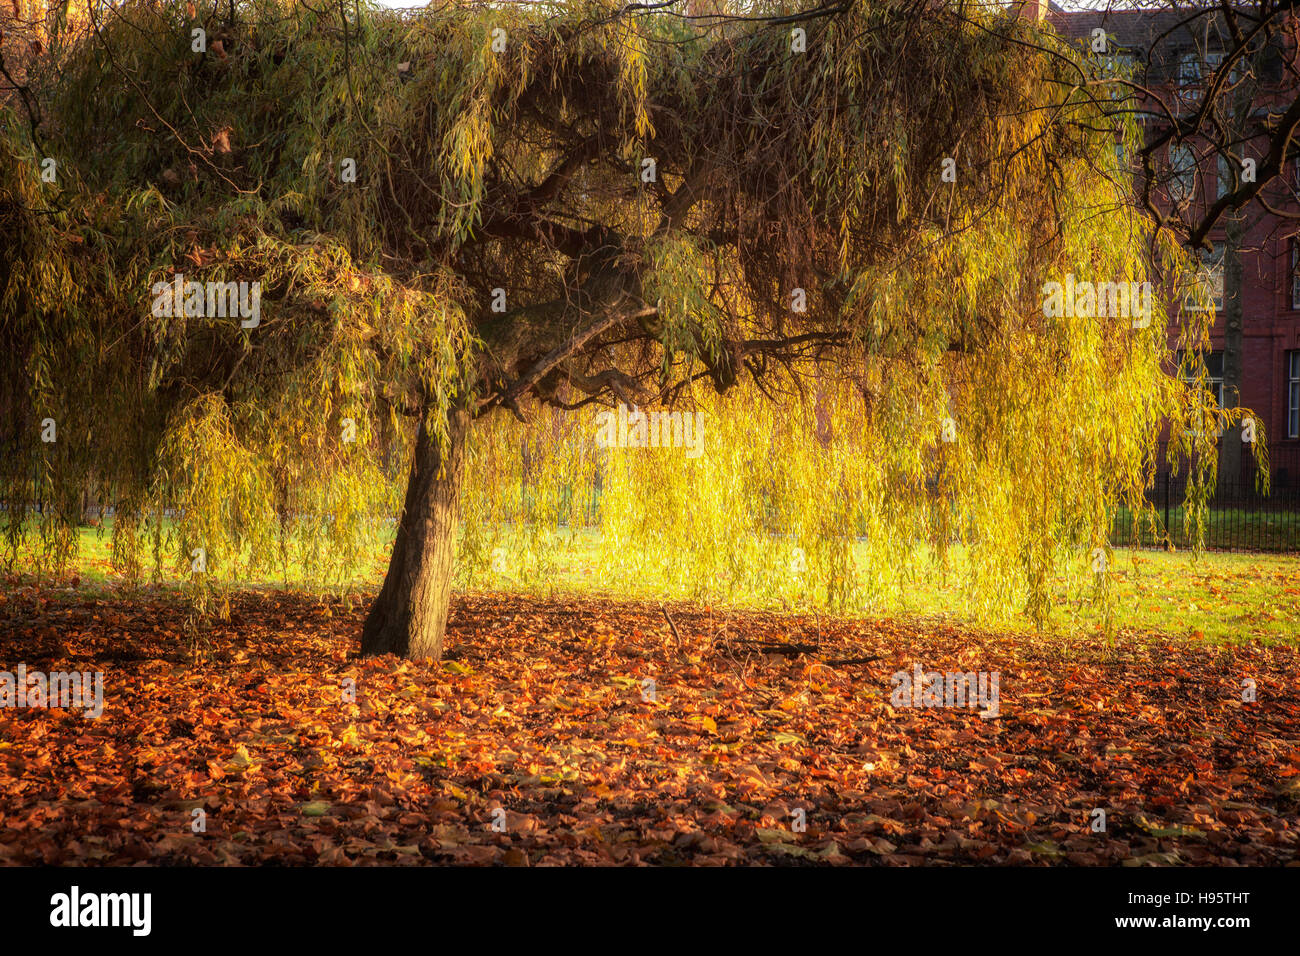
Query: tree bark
[[1235, 231], [1233, 345], [409, 617]]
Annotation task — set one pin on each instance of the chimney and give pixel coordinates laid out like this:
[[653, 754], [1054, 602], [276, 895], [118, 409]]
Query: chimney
[[706, 8], [1033, 10]]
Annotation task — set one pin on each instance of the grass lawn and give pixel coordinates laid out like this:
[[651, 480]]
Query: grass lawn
[[1216, 596]]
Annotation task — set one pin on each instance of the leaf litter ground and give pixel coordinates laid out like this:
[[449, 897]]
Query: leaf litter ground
[[538, 740]]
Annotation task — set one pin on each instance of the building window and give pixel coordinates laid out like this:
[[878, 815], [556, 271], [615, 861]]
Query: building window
[[1194, 70], [1213, 375], [1182, 173], [1117, 67], [1207, 294], [1212, 266], [1295, 272], [1227, 180], [1293, 395], [1214, 366], [1214, 62]]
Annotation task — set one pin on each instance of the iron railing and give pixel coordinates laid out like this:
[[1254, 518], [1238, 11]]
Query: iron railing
[[1240, 514]]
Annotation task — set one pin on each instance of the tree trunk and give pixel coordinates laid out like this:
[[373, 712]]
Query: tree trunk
[[410, 615], [1235, 230], [1233, 345]]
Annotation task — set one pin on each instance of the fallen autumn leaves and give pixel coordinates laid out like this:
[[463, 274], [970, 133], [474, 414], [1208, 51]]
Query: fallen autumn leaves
[[538, 721]]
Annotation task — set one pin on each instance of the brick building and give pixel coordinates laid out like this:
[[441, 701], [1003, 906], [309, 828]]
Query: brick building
[[1174, 54]]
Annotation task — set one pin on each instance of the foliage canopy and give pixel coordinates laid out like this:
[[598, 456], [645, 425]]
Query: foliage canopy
[[506, 147]]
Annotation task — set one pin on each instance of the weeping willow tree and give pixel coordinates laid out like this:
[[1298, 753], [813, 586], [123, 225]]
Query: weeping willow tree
[[824, 231]]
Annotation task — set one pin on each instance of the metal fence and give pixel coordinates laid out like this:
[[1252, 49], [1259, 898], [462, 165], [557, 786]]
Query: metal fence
[[1240, 516]]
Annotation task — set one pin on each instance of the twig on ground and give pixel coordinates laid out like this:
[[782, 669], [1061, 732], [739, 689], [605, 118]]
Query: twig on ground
[[676, 635], [776, 647]]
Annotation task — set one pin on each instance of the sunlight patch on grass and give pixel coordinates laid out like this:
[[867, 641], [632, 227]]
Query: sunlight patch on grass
[[1216, 597]]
